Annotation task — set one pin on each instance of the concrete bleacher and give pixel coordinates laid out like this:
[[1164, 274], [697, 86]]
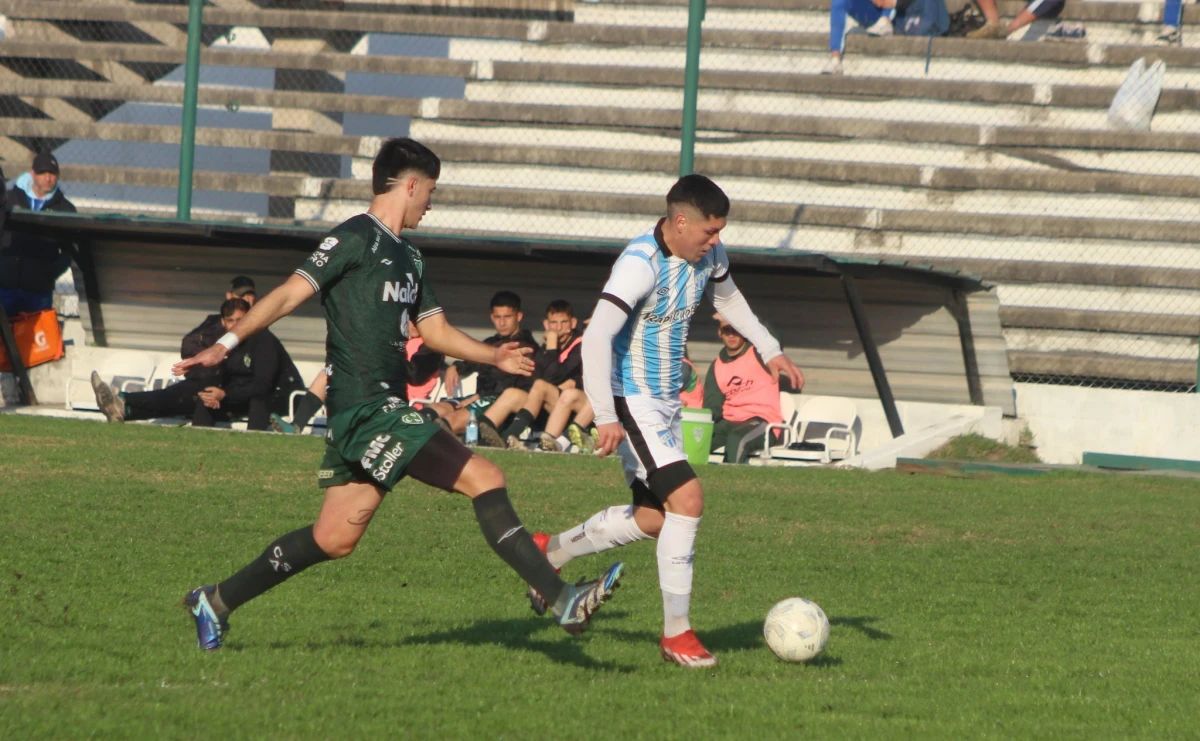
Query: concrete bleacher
[[997, 161]]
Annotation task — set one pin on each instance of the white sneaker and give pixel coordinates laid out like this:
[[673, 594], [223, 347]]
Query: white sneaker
[[881, 27], [834, 67]]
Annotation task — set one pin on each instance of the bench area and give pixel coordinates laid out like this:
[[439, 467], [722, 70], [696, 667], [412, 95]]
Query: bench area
[[561, 120]]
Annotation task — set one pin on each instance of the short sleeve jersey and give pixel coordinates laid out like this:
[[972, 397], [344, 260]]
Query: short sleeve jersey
[[371, 283], [660, 293]]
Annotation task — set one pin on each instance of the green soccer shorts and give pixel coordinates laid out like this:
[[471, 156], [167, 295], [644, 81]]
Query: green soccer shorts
[[373, 442]]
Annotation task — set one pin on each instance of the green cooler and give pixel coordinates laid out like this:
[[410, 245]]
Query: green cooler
[[697, 435]]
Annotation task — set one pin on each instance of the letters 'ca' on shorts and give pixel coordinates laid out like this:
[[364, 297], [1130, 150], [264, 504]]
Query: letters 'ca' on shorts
[[373, 442]]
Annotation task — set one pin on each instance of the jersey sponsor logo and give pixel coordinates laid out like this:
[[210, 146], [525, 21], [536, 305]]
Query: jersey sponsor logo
[[671, 318], [388, 461], [373, 450], [328, 244], [393, 403], [318, 258], [393, 291], [325, 473], [375, 244]]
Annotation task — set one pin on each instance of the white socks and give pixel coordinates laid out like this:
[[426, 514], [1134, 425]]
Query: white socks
[[607, 529], [676, 549]]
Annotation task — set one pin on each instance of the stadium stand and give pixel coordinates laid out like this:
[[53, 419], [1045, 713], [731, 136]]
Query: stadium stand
[[561, 120]]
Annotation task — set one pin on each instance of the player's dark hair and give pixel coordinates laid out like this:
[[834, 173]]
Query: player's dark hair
[[701, 194], [243, 291], [398, 156], [240, 281], [508, 299], [560, 307], [231, 305]]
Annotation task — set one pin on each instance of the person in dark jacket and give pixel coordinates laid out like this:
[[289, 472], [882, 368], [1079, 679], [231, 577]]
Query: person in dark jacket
[[559, 367], [252, 382], [30, 264], [491, 381], [210, 330]]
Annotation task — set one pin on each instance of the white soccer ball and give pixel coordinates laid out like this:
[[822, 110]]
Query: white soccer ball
[[796, 629]]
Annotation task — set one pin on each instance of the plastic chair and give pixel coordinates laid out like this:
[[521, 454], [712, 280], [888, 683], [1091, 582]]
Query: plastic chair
[[125, 370], [821, 431]]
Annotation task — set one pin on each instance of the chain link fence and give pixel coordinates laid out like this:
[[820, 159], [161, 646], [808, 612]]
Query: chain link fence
[[561, 120]]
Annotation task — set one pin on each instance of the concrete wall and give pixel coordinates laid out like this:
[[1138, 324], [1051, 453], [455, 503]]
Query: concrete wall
[[1066, 421]]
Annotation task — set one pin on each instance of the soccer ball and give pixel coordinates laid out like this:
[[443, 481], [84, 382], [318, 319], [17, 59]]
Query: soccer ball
[[796, 630]]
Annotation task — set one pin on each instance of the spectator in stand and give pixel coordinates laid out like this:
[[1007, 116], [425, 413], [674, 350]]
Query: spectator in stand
[[1034, 10], [36, 260], [743, 395], [206, 334], [1172, 23], [491, 381], [558, 366], [875, 16]]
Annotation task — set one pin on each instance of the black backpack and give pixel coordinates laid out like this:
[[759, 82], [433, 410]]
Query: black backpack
[[966, 20]]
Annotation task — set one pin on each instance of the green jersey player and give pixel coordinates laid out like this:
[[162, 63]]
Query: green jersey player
[[372, 282]]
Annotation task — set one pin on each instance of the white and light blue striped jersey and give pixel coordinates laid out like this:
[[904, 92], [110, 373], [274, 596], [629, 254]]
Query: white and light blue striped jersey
[[648, 351]]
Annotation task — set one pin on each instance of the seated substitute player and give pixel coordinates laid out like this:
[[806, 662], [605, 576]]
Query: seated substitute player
[[490, 382], [632, 355], [743, 396], [559, 367], [371, 281]]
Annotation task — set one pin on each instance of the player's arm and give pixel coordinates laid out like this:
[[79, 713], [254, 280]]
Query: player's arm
[[266, 311], [631, 281], [731, 304], [443, 337]]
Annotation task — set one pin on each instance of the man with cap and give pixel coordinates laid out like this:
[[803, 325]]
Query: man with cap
[[37, 190], [32, 264]]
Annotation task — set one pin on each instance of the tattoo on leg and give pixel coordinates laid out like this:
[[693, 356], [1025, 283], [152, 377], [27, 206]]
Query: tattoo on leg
[[364, 516]]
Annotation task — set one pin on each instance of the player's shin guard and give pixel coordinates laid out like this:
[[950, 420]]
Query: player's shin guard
[[283, 559], [607, 529], [512, 543], [676, 549]]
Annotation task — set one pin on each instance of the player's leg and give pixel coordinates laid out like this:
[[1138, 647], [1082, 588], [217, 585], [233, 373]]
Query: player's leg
[[344, 516], [445, 463], [529, 411], [496, 414]]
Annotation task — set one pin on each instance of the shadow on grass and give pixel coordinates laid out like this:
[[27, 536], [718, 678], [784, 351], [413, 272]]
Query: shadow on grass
[[519, 634]]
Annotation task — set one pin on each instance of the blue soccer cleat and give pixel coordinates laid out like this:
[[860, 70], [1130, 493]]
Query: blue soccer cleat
[[584, 599], [210, 629]]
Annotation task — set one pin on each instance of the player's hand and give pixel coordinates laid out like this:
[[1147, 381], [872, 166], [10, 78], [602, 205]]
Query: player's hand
[[211, 397], [550, 339], [512, 357], [611, 435], [782, 365], [206, 358]]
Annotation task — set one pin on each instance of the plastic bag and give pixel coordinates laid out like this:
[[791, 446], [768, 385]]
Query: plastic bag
[[1133, 105]]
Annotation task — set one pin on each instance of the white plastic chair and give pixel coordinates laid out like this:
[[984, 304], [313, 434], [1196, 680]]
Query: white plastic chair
[[125, 370], [821, 431]]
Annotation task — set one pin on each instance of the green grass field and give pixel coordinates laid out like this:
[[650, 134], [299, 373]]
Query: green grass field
[[1059, 606]]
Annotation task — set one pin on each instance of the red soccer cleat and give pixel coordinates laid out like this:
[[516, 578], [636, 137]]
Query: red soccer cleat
[[685, 649], [536, 603]]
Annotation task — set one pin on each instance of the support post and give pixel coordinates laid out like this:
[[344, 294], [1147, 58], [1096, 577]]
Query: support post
[[191, 84], [691, 85], [959, 309], [871, 350]]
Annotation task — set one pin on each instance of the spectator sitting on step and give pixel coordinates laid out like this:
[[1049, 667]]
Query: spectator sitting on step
[[37, 261], [210, 330], [558, 366], [875, 16], [1034, 10], [490, 381], [742, 394], [1172, 23]]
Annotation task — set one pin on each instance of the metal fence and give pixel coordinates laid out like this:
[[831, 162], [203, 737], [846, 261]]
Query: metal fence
[[565, 120]]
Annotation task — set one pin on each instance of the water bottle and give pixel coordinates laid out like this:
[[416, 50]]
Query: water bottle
[[472, 436]]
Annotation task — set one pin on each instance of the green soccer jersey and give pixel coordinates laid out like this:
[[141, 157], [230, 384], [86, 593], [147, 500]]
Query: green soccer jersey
[[371, 283]]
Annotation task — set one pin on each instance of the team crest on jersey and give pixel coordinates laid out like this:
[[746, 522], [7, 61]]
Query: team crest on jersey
[[328, 244], [246, 360], [412, 418], [667, 438]]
